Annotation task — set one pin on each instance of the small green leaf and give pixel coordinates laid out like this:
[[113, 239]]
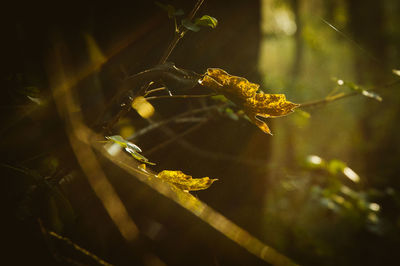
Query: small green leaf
[[335, 166], [138, 156], [129, 147], [220, 98], [123, 142], [179, 12], [302, 113], [231, 114], [359, 89], [207, 21], [171, 11], [190, 26]]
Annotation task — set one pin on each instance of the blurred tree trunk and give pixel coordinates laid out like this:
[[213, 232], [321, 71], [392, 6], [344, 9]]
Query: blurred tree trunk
[[379, 122], [367, 25]]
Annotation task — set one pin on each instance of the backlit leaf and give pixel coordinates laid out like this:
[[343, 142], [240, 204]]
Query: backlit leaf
[[185, 182], [244, 94], [359, 89], [207, 21], [170, 10], [143, 107], [190, 26], [123, 142], [129, 147]]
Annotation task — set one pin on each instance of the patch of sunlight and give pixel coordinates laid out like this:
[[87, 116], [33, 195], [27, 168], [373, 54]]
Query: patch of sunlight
[[113, 149], [374, 207], [373, 218], [396, 72], [314, 159], [277, 19], [284, 21], [350, 174]]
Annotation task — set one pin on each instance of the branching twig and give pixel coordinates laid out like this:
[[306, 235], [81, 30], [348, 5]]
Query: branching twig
[[179, 33], [328, 99], [176, 137], [154, 90], [68, 241], [340, 96], [167, 74], [172, 119]]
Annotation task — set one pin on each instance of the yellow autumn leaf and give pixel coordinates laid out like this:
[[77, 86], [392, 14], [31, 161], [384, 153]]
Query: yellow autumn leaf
[[244, 94], [185, 182]]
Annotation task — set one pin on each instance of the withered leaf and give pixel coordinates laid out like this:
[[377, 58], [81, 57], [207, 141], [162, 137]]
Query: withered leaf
[[185, 182], [244, 94]]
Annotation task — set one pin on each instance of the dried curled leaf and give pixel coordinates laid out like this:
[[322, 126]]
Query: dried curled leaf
[[244, 93], [185, 182]]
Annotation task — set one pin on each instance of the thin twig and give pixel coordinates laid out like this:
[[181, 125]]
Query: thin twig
[[179, 33], [179, 96], [78, 248], [154, 90], [344, 95], [68, 241], [166, 73], [221, 156], [176, 137], [328, 99], [172, 119]]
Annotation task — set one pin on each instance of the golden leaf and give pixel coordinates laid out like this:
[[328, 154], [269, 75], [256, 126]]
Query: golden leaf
[[244, 93], [185, 182]]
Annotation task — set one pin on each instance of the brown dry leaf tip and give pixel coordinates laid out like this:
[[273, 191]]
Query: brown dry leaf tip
[[244, 94], [185, 182]]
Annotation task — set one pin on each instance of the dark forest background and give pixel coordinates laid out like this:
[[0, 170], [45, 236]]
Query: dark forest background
[[324, 190]]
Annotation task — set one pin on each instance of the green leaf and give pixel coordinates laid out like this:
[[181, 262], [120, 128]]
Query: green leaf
[[129, 147], [207, 21], [359, 89], [190, 26], [123, 142], [171, 11], [220, 98], [138, 156], [231, 114], [335, 166]]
